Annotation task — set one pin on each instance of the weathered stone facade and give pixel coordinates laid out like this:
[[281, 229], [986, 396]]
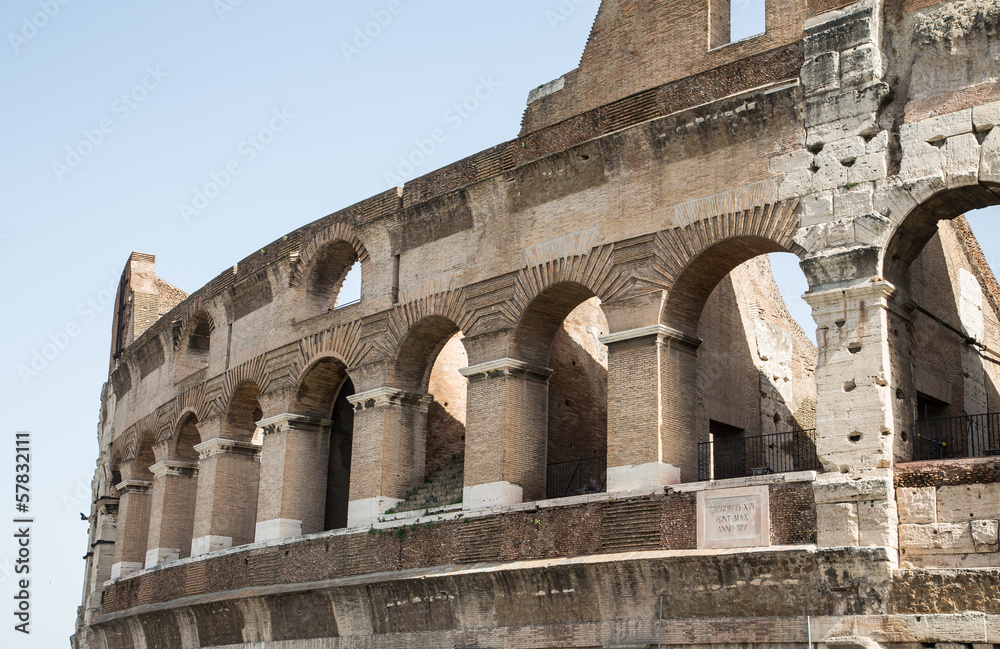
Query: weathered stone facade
[[594, 292]]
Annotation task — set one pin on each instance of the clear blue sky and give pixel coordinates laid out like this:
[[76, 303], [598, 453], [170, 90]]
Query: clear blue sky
[[116, 112]]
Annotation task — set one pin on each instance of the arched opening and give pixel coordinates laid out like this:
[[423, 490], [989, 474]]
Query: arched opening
[[196, 346], [323, 393], [753, 411], [174, 496], [428, 364], [243, 414], [561, 330], [337, 266], [134, 509], [947, 398]]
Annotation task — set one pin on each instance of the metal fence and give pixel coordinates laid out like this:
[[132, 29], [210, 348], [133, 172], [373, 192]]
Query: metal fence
[[576, 477], [957, 437], [760, 455]]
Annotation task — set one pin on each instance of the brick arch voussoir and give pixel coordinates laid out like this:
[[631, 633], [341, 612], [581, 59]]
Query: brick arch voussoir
[[677, 249], [594, 270], [253, 371], [309, 253], [434, 298], [342, 343]]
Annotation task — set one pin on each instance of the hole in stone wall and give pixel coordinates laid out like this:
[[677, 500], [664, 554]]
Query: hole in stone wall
[[816, 149], [904, 437], [854, 437], [849, 385]]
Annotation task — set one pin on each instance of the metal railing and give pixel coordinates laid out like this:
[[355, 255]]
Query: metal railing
[[759, 455], [576, 477], [957, 437]]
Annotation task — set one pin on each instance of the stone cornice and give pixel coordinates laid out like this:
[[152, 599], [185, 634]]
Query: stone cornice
[[506, 367], [653, 333], [289, 421], [219, 446], [382, 397]]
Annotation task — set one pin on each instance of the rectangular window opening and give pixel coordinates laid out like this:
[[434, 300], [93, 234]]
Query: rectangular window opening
[[733, 20]]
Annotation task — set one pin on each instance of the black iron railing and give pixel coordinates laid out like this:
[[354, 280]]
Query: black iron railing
[[576, 477], [957, 437], [741, 457]]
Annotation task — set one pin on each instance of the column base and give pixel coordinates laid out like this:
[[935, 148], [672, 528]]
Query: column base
[[205, 544], [493, 494], [125, 569], [362, 513], [279, 528], [159, 556], [642, 476]]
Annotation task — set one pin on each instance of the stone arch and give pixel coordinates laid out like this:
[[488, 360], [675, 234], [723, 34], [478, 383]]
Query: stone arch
[[424, 373], [920, 223], [704, 270], [194, 344], [322, 393], [242, 413], [186, 436], [322, 267], [560, 330]]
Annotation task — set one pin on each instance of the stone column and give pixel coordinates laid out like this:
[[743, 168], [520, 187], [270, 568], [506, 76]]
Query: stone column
[[225, 514], [294, 462], [506, 434], [175, 488], [856, 428], [133, 527], [652, 408], [102, 545], [388, 453]]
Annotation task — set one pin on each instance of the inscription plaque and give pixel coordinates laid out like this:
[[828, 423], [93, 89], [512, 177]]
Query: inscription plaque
[[734, 518]]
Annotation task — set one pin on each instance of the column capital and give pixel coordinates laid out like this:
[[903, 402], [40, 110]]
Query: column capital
[[133, 486], [289, 421], [174, 468], [877, 288], [219, 446], [658, 333], [506, 367], [382, 397]]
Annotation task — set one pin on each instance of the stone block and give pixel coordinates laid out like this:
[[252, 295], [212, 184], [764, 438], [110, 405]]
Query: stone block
[[963, 503], [791, 162], [821, 74], [878, 524], [962, 160], [921, 160], [871, 229], [878, 143], [989, 162], [857, 66], [917, 505], [855, 201], [940, 127], [938, 538], [795, 184], [839, 489], [984, 536], [816, 208], [840, 233], [840, 35], [868, 168], [985, 117], [837, 525]]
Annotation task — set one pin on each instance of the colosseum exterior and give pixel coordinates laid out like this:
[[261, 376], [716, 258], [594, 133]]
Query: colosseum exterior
[[570, 408]]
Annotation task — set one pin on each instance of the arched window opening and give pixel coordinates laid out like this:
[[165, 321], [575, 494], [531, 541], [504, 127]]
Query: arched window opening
[[328, 277], [196, 347], [954, 401], [350, 292], [578, 404], [174, 494]]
